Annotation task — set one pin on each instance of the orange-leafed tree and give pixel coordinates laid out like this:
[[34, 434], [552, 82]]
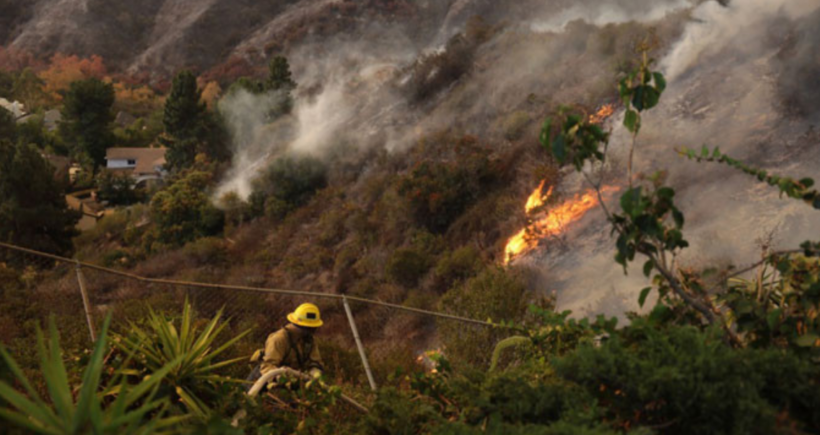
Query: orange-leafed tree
[[63, 70], [210, 93]]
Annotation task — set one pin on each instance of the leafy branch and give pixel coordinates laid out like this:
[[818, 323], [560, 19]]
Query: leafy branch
[[797, 189], [640, 90]]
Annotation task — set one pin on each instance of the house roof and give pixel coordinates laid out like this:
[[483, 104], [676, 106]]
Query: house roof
[[148, 159], [51, 119]]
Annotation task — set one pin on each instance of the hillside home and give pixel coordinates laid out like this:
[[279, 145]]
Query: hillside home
[[142, 164], [16, 108]]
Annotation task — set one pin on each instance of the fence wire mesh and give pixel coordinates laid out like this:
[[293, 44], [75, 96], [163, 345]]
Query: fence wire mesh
[[394, 339]]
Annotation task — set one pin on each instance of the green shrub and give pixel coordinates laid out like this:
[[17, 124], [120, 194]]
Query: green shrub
[[454, 266], [496, 294], [117, 189], [117, 257], [183, 212], [133, 409], [288, 183], [691, 382], [207, 251], [395, 413], [407, 266], [310, 259], [192, 346], [439, 192]]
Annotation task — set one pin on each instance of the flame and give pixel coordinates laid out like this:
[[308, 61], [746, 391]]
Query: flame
[[552, 223], [537, 198], [602, 114]]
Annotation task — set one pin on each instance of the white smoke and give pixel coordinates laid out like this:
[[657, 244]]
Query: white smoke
[[611, 12], [741, 24], [254, 140], [340, 99]]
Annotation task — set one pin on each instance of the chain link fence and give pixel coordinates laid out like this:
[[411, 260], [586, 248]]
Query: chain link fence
[[363, 342]]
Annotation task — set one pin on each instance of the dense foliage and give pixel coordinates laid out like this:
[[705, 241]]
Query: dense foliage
[[184, 121], [87, 118], [33, 210], [135, 410], [289, 182], [183, 212]]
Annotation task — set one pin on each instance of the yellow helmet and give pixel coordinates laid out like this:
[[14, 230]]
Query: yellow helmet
[[306, 315]]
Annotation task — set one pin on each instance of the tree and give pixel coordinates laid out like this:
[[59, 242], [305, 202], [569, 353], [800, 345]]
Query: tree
[[183, 212], [279, 75], [8, 126], [29, 89], [189, 128], [116, 189], [6, 84], [87, 118], [183, 120], [65, 70], [33, 210], [279, 80], [184, 109]]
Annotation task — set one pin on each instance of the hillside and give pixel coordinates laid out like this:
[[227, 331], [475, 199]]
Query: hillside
[[469, 157]]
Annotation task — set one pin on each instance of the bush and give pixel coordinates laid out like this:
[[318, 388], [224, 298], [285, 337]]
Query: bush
[[117, 189], [395, 413], [496, 294], [434, 72], [193, 350], [69, 411], [406, 266], [463, 263], [287, 184], [116, 257], [183, 212], [691, 382], [207, 251], [439, 192]]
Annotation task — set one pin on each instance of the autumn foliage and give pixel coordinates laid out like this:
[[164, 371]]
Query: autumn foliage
[[63, 70]]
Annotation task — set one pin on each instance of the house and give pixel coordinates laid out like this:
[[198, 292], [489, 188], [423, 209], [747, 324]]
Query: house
[[16, 108], [142, 164], [51, 119]]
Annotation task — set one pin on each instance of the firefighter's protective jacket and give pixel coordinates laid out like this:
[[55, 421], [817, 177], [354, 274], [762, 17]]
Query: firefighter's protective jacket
[[292, 348]]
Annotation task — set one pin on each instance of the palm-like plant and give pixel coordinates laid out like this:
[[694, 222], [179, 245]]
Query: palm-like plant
[[160, 341], [134, 410]]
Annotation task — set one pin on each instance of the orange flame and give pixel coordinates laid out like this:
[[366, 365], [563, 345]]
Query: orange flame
[[553, 223], [602, 114], [537, 198]]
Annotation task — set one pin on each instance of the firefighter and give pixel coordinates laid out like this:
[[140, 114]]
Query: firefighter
[[292, 346]]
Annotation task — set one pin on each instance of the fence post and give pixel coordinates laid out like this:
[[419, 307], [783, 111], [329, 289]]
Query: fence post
[[359, 344], [86, 304]]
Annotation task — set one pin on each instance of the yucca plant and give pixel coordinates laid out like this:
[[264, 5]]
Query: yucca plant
[[160, 341], [135, 410]]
